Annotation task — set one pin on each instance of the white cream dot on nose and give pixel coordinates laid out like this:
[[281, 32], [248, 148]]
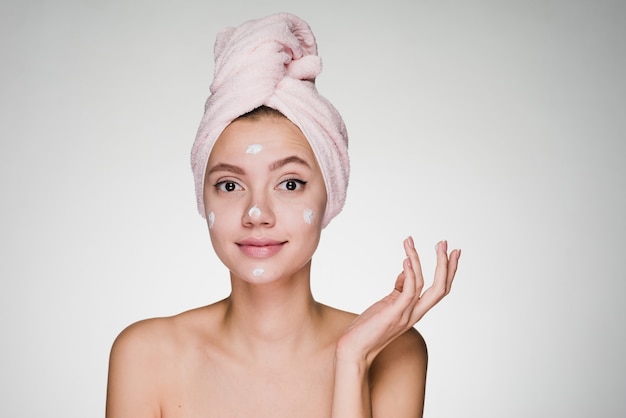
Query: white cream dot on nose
[[254, 212]]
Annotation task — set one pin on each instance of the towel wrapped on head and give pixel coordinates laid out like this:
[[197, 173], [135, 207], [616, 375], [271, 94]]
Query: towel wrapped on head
[[273, 62]]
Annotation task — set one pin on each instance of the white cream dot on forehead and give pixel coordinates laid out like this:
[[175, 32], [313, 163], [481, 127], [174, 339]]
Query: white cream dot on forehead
[[308, 215], [254, 212], [211, 219], [254, 149], [257, 272]]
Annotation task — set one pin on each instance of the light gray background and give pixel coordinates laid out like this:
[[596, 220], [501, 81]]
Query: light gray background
[[498, 125]]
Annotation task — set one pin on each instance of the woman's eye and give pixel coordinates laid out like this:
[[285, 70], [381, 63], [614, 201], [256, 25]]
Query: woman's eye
[[291, 185], [227, 186]]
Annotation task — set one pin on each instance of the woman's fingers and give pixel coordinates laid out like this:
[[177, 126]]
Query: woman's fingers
[[416, 266], [453, 263], [442, 283], [410, 283], [399, 286], [405, 283], [441, 271]]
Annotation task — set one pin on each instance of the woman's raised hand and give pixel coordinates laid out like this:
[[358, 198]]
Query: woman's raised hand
[[394, 314]]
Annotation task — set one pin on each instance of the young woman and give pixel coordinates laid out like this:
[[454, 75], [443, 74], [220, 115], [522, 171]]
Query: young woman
[[271, 168]]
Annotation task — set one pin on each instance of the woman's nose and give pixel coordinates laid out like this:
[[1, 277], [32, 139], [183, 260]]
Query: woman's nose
[[257, 214]]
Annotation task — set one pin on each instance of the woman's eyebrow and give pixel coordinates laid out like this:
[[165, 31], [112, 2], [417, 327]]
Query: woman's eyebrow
[[289, 160], [226, 167]]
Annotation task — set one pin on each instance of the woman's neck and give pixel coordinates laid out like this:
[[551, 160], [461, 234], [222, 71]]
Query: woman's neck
[[280, 317]]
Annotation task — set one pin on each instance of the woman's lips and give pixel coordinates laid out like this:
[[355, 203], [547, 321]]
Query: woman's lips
[[260, 248]]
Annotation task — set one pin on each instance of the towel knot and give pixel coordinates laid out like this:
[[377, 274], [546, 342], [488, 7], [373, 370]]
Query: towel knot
[[260, 53], [305, 68]]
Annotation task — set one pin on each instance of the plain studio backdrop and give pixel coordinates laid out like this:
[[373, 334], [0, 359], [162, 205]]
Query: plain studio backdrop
[[497, 125]]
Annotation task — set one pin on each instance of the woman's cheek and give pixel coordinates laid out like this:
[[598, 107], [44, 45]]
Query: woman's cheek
[[311, 213], [210, 218], [309, 216], [217, 217]]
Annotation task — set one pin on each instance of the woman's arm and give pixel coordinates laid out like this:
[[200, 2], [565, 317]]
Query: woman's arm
[[379, 327]]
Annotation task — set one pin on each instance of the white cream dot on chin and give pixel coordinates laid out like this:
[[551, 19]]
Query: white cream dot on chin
[[254, 212], [211, 219], [257, 272], [308, 216], [254, 149]]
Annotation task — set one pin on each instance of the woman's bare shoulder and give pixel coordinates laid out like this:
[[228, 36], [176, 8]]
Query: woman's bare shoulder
[[158, 336], [407, 354], [411, 344], [400, 369], [143, 360]]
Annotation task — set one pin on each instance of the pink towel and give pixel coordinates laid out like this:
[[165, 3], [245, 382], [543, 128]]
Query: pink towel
[[273, 61]]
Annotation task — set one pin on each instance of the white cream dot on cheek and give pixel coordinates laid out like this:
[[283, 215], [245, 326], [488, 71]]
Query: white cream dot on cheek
[[254, 212], [211, 219], [308, 215], [254, 149], [257, 272]]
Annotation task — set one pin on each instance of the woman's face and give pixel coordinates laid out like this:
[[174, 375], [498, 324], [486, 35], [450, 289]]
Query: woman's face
[[265, 197]]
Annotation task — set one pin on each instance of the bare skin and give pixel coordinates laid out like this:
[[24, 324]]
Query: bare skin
[[269, 349]]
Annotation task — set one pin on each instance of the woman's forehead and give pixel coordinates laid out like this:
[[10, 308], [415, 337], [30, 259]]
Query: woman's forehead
[[267, 137]]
